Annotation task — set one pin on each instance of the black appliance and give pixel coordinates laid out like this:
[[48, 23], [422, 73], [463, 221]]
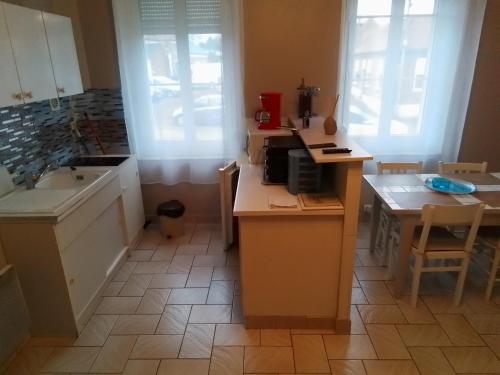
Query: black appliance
[[276, 157]]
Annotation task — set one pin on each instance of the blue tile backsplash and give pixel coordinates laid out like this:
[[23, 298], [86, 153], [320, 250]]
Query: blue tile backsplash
[[33, 134]]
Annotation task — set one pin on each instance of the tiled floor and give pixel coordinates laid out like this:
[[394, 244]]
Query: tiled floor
[[174, 309]]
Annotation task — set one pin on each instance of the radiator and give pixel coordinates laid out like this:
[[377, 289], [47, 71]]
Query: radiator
[[14, 318]]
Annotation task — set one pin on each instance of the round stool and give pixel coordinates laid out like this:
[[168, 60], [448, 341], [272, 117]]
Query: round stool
[[171, 218]]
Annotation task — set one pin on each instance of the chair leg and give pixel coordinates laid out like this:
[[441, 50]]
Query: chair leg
[[493, 274], [415, 285], [461, 280]]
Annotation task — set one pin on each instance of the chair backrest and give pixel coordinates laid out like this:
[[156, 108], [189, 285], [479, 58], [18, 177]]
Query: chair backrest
[[440, 215], [445, 168], [399, 168]]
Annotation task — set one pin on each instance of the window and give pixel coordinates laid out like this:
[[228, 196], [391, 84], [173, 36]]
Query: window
[[402, 64], [183, 45]]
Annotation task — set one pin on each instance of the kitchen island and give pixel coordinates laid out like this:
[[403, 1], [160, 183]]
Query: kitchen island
[[297, 264]]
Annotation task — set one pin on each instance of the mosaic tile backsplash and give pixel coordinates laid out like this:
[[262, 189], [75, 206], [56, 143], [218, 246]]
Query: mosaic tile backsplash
[[33, 134]]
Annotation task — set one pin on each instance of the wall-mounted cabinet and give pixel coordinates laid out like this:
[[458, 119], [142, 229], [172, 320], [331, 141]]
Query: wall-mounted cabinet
[[38, 56]]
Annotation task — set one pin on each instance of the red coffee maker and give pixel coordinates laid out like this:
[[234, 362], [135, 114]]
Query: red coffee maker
[[269, 117]]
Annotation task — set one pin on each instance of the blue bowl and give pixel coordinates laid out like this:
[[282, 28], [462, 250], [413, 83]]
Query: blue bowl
[[449, 186]]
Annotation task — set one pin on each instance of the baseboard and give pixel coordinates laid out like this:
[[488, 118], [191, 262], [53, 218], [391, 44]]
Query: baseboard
[[343, 326], [289, 322]]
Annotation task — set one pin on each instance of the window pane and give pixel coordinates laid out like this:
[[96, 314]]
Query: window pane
[[417, 7], [406, 119], [164, 85], [374, 7], [205, 52], [367, 75]]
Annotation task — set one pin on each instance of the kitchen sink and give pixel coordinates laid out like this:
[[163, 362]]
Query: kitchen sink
[[67, 179]]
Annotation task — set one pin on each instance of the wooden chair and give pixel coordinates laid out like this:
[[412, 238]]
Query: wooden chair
[[449, 168], [490, 238], [387, 237], [433, 241]]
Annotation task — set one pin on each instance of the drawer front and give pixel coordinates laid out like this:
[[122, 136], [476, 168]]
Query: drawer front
[[71, 227]]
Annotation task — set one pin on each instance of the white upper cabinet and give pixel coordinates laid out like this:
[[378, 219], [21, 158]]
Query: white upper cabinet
[[63, 54], [10, 89], [31, 52]]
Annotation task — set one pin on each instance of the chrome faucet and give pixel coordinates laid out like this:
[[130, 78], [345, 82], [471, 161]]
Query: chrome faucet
[[31, 180]]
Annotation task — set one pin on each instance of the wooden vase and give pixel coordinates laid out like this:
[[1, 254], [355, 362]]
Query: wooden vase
[[330, 125]]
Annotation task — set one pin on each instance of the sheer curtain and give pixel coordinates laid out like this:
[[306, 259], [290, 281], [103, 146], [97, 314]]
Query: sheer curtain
[[408, 67], [180, 66]]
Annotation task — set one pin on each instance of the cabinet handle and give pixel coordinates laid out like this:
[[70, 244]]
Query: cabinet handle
[[28, 95], [61, 90], [17, 96]]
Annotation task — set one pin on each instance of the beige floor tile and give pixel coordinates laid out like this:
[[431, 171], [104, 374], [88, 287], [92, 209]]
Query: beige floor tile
[[226, 273], [192, 249], [263, 359], [180, 264], [136, 285], [347, 367], [384, 314], [349, 347], [309, 354], [368, 258], [387, 342], [423, 335], [478, 305], [201, 237], [156, 347], [96, 331], [141, 255], [153, 301], [431, 361], [226, 361], [136, 325], [390, 367], [150, 239], [221, 293], [216, 247], [118, 305], [309, 331], [169, 280], [114, 354], [233, 258], [275, 337], [459, 330], [237, 311], [236, 334], [472, 360], [355, 282], [184, 367], [71, 359], [197, 341], [113, 289], [493, 342], [415, 315], [357, 325], [151, 267], [376, 293], [30, 360], [210, 314], [358, 297], [199, 277], [164, 253], [485, 323], [174, 319], [188, 296], [444, 305], [141, 367], [210, 260], [372, 273], [125, 271]]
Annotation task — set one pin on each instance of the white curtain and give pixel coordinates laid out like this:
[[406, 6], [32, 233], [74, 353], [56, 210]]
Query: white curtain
[[408, 67], [180, 66]]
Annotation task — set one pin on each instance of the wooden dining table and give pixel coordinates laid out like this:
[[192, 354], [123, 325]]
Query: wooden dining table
[[404, 196]]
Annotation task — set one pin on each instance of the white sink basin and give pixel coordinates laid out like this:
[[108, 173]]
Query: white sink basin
[[55, 193], [68, 179]]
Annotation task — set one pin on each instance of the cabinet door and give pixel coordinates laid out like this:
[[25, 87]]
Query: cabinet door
[[31, 52], [132, 198], [10, 89], [63, 54]]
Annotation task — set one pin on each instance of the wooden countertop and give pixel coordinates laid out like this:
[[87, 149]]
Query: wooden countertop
[[252, 197]]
